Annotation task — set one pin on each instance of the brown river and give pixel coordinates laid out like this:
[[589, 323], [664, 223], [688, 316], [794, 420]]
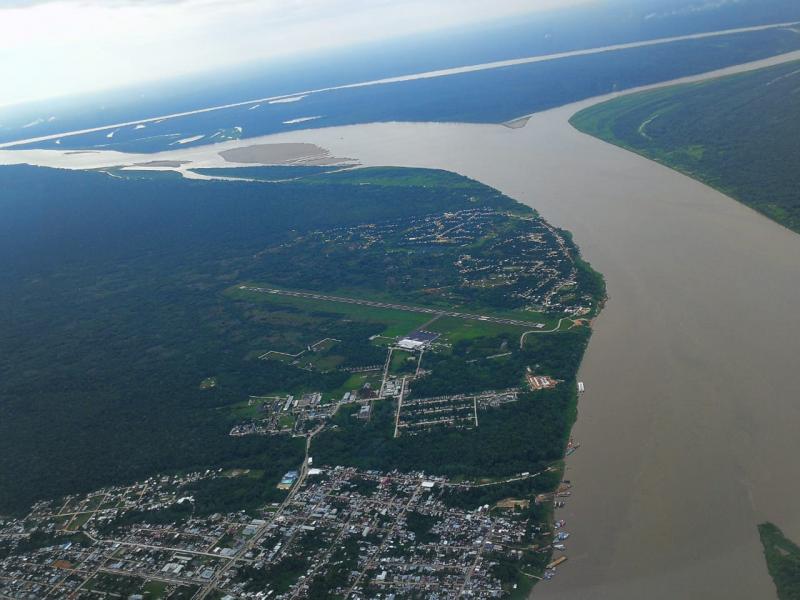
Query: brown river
[[690, 424]]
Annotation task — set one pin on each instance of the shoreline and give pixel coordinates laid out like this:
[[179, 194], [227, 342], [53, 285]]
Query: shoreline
[[689, 418], [628, 494], [253, 148], [298, 96]]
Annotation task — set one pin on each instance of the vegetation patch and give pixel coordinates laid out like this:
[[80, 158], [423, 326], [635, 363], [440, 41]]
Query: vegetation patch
[[737, 134], [783, 561]]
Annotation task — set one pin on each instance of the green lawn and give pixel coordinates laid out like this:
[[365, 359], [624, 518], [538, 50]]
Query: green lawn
[[402, 362], [356, 381], [454, 330], [398, 322], [79, 521], [155, 589], [243, 410], [401, 322]]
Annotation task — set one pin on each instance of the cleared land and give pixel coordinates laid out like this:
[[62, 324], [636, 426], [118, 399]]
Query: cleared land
[[256, 383], [738, 134], [399, 307], [166, 331]]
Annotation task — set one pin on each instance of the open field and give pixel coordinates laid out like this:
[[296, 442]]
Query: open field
[[398, 322], [454, 330], [401, 322], [356, 381], [365, 302]]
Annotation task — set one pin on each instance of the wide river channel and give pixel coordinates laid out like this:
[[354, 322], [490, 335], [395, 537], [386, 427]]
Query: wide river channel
[[690, 424]]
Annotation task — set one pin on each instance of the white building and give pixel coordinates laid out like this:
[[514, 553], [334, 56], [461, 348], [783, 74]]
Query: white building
[[409, 344]]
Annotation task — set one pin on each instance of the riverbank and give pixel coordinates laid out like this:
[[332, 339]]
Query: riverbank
[[688, 426], [691, 128], [688, 416]]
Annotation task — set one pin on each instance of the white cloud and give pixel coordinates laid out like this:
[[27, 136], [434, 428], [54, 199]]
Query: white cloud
[[56, 47], [692, 8]]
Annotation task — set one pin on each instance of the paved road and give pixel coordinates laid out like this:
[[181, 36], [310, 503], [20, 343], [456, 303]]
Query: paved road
[[405, 307], [150, 546], [554, 329], [371, 563], [211, 586]]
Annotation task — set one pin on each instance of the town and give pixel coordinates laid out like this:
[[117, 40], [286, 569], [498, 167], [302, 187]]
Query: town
[[353, 534], [468, 334], [480, 252], [298, 415]]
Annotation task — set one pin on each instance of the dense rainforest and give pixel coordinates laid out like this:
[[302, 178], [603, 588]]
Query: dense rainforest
[[738, 134], [115, 308]]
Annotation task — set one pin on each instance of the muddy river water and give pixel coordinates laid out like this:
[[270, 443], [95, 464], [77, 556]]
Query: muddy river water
[[690, 425]]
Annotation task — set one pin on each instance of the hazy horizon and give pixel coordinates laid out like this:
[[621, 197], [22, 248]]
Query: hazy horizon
[[51, 47]]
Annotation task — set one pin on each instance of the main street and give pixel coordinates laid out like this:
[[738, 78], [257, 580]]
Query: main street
[[211, 586]]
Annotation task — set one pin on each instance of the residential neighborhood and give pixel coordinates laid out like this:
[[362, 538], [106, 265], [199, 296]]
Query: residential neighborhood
[[356, 534]]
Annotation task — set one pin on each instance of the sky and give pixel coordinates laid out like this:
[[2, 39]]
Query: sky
[[53, 48]]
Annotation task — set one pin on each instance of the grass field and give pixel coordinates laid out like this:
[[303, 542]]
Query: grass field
[[78, 521], [738, 134], [454, 330], [155, 589], [249, 473], [356, 381], [243, 410], [402, 322], [398, 322], [402, 363], [286, 421]]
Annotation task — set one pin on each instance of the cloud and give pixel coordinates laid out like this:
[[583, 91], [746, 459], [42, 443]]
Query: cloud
[[692, 9], [60, 47], [77, 3]]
